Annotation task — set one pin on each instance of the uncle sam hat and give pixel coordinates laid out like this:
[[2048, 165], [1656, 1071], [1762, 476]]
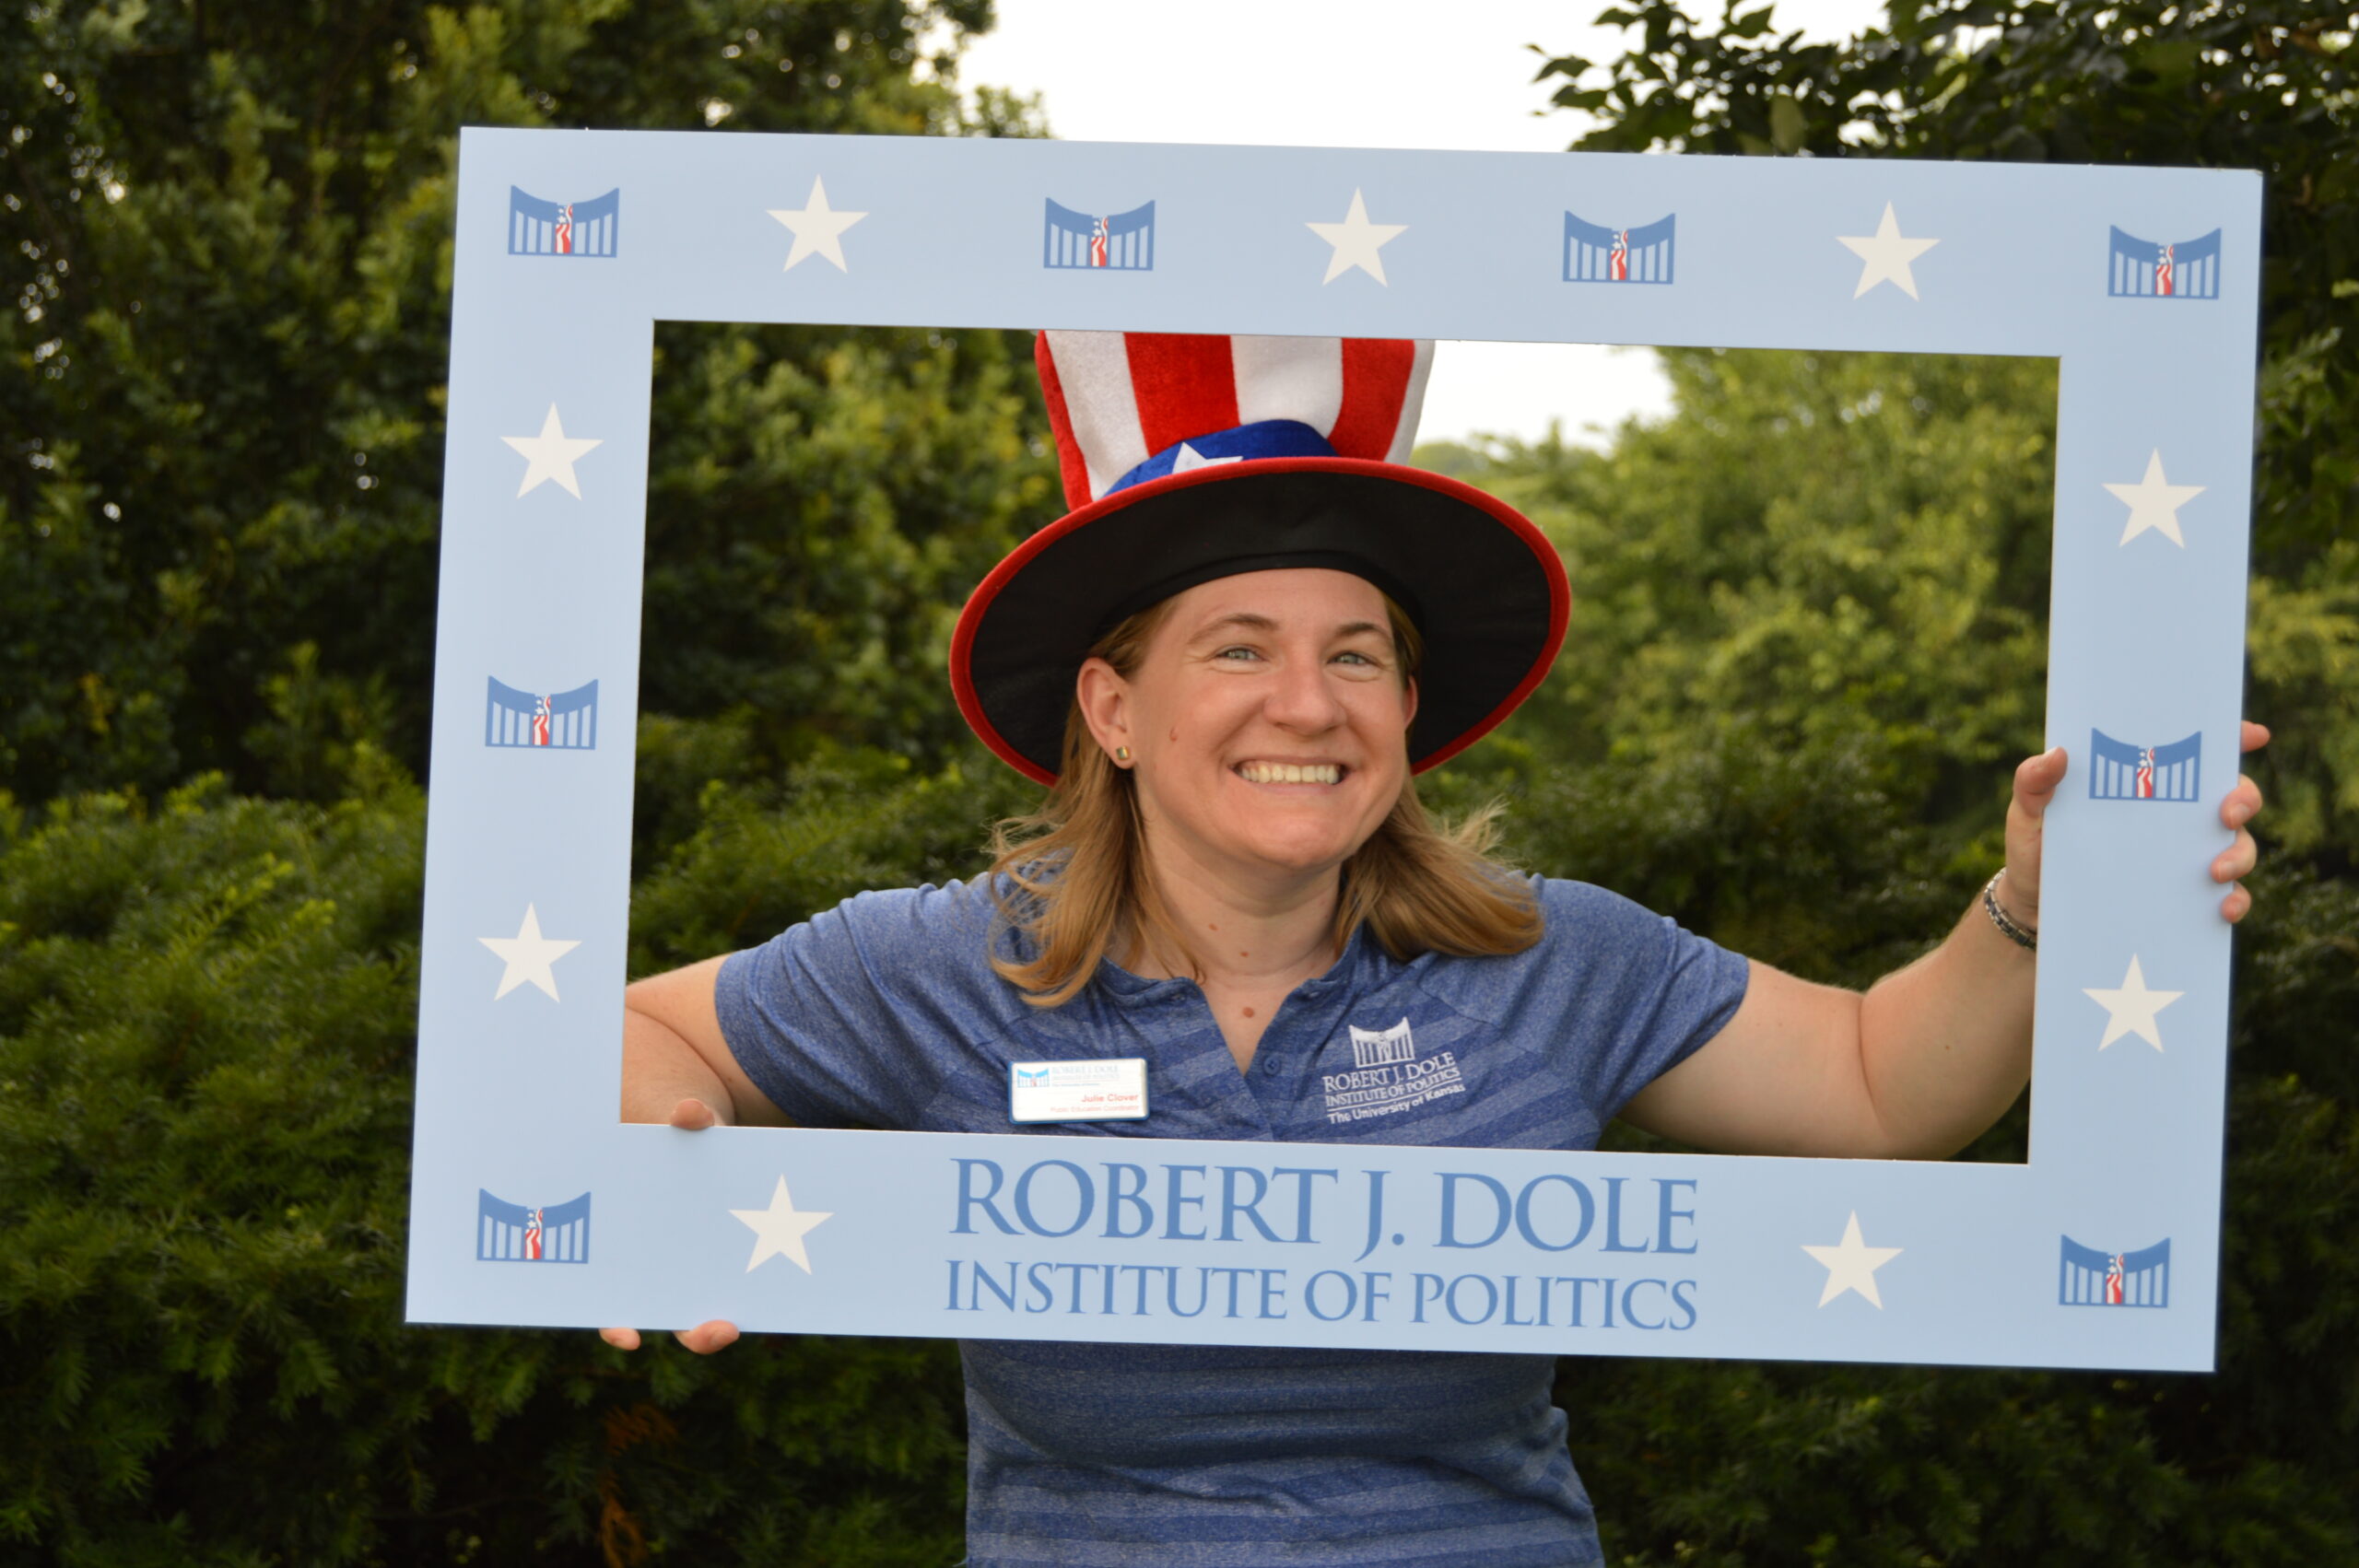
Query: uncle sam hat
[[1188, 458]]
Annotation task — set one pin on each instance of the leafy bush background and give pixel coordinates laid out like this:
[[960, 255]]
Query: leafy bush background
[[1808, 642]]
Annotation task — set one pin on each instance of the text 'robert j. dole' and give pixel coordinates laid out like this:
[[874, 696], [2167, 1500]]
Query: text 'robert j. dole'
[[1294, 1205]]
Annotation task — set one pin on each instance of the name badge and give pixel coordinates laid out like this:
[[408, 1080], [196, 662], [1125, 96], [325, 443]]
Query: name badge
[[1077, 1091]]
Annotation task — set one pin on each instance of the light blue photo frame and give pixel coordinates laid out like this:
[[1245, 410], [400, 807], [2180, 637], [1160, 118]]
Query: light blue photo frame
[[532, 1204]]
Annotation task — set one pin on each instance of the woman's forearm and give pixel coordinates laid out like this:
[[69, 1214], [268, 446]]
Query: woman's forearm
[[661, 1069], [1945, 1043]]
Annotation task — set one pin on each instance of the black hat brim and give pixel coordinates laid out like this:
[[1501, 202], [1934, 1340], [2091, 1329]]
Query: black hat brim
[[1482, 584]]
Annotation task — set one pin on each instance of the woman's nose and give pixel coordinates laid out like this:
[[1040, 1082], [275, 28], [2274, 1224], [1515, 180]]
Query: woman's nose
[[1302, 700]]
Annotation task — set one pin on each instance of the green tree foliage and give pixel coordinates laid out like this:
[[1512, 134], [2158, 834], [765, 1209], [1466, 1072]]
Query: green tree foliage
[[1809, 611], [228, 233], [764, 856], [207, 1015], [820, 504]]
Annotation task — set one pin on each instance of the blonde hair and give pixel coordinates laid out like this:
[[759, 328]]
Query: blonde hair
[[1074, 875]]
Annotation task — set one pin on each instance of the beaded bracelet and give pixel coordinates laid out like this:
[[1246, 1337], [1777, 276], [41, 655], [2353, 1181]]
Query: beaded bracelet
[[2015, 930]]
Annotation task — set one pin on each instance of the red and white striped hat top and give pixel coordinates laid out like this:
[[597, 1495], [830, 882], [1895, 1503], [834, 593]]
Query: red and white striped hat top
[[1125, 405]]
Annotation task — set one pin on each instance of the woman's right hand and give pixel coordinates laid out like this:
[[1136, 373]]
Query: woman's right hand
[[690, 1116]]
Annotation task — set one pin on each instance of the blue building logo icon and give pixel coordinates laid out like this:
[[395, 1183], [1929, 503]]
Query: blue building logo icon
[[1123, 242], [2121, 771], [1594, 254], [2146, 269], [510, 1233], [536, 227], [562, 721], [2085, 1277]]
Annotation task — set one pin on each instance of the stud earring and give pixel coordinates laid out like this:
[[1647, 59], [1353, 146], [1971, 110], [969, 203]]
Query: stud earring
[[1121, 754]]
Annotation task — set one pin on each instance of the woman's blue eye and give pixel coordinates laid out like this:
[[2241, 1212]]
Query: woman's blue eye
[[1241, 652]]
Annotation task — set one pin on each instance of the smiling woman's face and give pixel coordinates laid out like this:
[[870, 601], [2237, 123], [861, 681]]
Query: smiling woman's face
[[1268, 724]]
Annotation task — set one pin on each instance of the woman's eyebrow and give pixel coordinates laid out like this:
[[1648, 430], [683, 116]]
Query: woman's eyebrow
[[1241, 620], [1247, 620]]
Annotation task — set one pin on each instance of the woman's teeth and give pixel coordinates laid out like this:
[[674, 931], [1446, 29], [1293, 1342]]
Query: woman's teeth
[[1290, 773]]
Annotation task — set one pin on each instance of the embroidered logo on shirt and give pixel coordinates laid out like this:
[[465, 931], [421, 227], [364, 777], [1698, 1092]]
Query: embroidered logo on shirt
[[1389, 1076], [1381, 1047]]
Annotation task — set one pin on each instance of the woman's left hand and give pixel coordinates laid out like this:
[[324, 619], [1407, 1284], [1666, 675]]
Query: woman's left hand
[[2036, 784]]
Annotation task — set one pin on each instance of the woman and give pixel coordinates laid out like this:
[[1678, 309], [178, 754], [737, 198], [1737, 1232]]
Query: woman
[[1227, 663]]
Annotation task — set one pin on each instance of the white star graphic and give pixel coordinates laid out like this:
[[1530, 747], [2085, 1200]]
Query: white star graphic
[[1356, 242], [1188, 456], [1852, 1265], [529, 956], [2132, 1008], [550, 455], [818, 228], [778, 1230], [1886, 255], [2154, 503]]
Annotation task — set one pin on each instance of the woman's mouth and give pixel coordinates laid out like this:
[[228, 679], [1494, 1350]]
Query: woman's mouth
[[1290, 772]]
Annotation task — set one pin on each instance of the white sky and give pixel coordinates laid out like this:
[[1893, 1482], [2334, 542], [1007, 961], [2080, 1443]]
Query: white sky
[[1356, 73]]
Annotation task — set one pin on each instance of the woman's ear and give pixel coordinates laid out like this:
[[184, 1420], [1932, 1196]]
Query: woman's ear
[[1408, 703], [1104, 698]]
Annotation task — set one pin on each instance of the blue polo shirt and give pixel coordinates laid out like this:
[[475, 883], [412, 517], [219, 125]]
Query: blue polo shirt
[[884, 1012]]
